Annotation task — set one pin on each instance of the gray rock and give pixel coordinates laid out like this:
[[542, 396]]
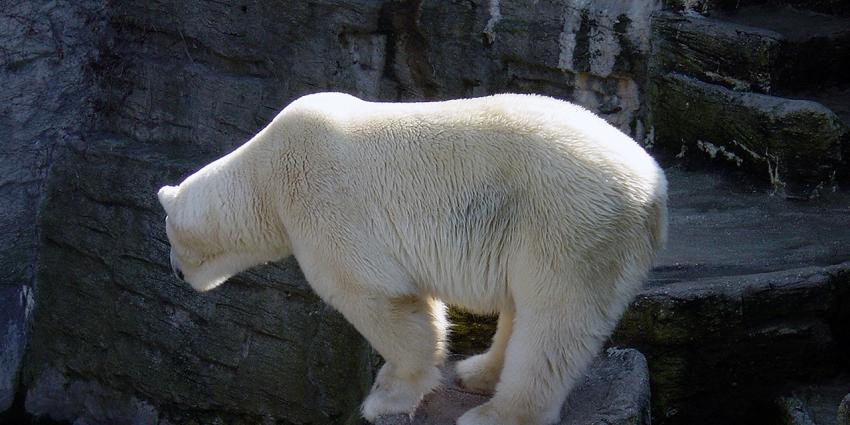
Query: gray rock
[[615, 391], [736, 56], [45, 51], [815, 50], [15, 307], [115, 339], [767, 48], [793, 144]]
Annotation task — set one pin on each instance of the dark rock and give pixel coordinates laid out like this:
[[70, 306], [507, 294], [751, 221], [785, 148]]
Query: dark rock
[[615, 391], [815, 48], [708, 7], [15, 307], [793, 144], [45, 51], [115, 339], [736, 56]]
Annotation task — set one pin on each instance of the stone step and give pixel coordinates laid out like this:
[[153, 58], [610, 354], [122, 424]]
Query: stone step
[[615, 391], [750, 294], [836, 98], [757, 48], [795, 145]]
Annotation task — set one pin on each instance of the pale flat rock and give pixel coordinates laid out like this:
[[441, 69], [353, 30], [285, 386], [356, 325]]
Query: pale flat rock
[[615, 391]]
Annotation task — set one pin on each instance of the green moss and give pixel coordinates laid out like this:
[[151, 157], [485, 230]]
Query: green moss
[[470, 333]]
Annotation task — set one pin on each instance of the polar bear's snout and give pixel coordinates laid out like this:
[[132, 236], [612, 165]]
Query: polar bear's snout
[[175, 267]]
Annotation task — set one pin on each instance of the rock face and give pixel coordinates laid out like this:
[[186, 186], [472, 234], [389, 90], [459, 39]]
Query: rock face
[[45, 51], [743, 87], [615, 391], [796, 145], [116, 339]]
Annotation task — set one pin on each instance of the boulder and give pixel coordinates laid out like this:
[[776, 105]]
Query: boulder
[[795, 145], [736, 56]]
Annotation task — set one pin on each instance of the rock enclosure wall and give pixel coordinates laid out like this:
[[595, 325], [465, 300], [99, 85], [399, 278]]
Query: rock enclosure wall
[[46, 53]]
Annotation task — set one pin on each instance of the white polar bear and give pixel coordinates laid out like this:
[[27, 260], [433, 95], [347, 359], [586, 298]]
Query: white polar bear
[[523, 205]]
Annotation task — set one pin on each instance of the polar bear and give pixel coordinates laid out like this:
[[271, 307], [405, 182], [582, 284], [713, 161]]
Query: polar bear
[[521, 205]]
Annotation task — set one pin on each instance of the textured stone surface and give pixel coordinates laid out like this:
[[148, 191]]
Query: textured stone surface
[[815, 48], [836, 7], [16, 304], [199, 72], [735, 56], [615, 391], [116, 339], [46, 49], [796, 145]]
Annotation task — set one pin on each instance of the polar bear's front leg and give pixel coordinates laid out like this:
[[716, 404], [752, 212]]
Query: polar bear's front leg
[[481, 372], [410, 334]]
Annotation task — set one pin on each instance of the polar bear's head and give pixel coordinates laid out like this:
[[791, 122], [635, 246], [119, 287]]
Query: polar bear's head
[[217, 229]]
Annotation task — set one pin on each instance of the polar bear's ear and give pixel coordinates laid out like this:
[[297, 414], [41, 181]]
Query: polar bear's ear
[[166, 197]]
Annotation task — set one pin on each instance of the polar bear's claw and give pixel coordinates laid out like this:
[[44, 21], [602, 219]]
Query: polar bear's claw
[[392, 395], [486, 414]]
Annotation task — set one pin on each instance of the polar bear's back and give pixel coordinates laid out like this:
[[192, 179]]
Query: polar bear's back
[[459, 188], [502, 130], [523, 142]]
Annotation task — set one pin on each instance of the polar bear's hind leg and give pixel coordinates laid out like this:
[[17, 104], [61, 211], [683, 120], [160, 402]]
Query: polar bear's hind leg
[[550, 348], [481, 372]]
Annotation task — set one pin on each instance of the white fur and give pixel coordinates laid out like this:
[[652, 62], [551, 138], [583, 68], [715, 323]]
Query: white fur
[[522, 204]]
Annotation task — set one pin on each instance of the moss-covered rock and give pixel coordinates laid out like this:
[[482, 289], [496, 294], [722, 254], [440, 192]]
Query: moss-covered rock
[[793, 144], [736, 56]]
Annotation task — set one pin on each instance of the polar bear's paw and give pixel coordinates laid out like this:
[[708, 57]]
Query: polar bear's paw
[[478, 373], [491, 414], [486, 414], [393, 395]]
